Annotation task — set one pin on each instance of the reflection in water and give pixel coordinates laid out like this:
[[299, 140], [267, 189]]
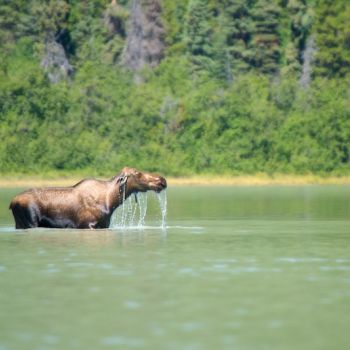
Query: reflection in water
[[46, 238]]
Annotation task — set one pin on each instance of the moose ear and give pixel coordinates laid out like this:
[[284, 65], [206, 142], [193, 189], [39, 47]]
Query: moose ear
[[122, 179]]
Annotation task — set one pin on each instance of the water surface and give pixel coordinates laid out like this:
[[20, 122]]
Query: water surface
[[234, 268]]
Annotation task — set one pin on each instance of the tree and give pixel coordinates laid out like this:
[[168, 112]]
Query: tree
[[198, 29], [266, 39], [239, 28], [332, 38]]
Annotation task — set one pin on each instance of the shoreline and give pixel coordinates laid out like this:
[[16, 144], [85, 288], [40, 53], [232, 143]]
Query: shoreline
[[198, 180]]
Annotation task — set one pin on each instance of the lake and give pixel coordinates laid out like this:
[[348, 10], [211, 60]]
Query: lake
[[235, 268]]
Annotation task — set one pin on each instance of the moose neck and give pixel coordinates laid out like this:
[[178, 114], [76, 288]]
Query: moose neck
[[118, 193]]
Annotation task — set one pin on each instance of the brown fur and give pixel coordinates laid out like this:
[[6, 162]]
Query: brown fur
[[88, 204]]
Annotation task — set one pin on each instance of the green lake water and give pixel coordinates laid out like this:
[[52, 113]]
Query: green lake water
[[235, 268]]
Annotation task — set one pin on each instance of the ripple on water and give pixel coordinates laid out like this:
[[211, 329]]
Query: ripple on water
[[25, 336], [187, 270], [341, 260], [132, 304], [228, 340], [50, 339], [335, 268], [234, 325], [122, 340], [51, 268], [192, 326], [105, 266], [157, 330], [241, 311], [300, 260], [275, 324], [223, 268], [223, 261], [79, 264], [7, 229], [122, 273], [312, 278]]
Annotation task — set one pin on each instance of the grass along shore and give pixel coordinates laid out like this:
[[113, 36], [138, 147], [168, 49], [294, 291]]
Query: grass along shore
[[239, 180]]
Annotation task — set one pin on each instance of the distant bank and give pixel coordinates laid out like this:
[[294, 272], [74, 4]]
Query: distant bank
[[240, 180]]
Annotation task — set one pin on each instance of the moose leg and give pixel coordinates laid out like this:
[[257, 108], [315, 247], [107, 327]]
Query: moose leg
[[87, 219], [18, 216], [25, 217], [87, 225], [92, 225]]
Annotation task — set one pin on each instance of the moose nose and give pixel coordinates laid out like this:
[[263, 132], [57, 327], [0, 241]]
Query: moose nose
[[162, 182]]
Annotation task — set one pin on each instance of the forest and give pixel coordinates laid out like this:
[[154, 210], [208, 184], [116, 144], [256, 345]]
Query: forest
[[179, 87]]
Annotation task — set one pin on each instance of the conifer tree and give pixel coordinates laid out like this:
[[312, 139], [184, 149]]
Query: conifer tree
[[332, 31], [297, 24], [198, 29], [266, 40], [239, 30]]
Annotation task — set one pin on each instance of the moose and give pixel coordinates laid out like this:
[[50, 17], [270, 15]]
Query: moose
[[89, 204]]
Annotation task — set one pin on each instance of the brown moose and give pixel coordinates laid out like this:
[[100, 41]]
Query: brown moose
[[88, 204]]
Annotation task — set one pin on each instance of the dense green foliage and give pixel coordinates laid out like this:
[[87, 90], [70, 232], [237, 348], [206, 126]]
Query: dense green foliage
[[231, 86]]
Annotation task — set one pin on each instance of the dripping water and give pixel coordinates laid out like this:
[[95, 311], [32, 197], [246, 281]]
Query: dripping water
[[142, 200], [162, 199], [132, 213]]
